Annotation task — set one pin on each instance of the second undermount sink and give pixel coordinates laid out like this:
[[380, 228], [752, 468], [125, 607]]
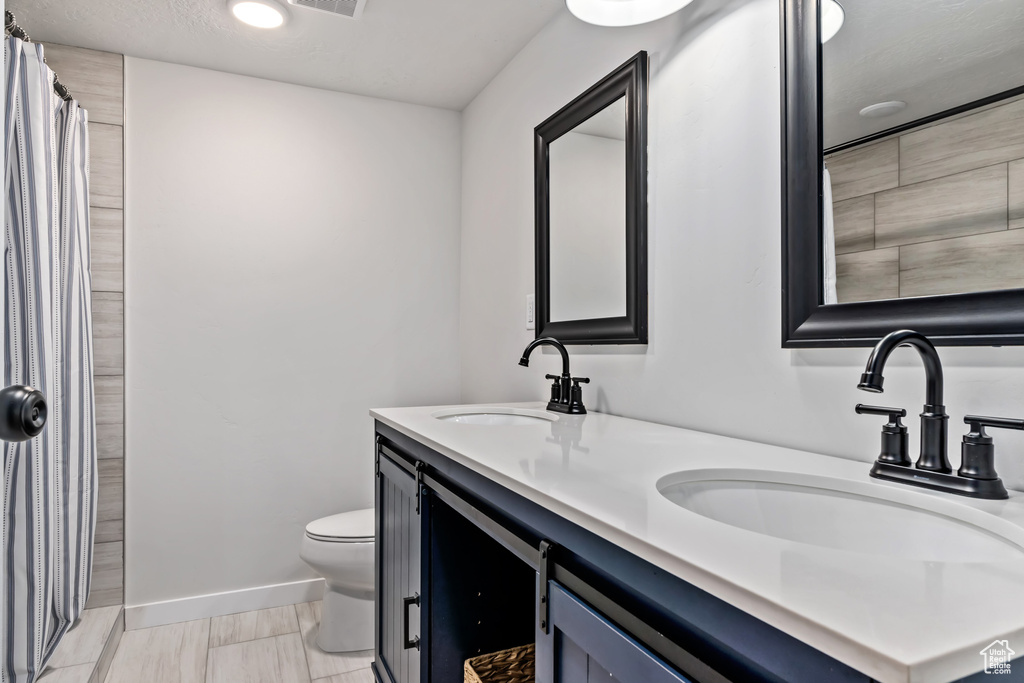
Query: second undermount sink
[[861, 517], [494, 416]]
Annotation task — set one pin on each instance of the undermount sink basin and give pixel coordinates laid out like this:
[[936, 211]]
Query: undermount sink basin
[[494, 416], [861, 517]]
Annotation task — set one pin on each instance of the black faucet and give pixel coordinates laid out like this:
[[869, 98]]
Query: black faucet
[[934, 421], [566, 394], [977, 476]]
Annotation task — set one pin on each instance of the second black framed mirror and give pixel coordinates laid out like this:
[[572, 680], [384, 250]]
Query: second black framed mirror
[[591, 213], [923, 151]]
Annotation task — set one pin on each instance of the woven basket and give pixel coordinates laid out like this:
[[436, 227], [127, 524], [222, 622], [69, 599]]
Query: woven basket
[[508, 666]]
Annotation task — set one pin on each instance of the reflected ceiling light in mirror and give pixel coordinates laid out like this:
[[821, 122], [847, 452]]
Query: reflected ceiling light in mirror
[[259, 13], [877, 111], [832, 17], [623, 12]]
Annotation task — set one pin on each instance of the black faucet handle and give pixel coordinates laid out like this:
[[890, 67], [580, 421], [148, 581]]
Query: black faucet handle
[[979, 422], [576, 396], [894, 434], [978, 450], [894, 414], [556, 388]]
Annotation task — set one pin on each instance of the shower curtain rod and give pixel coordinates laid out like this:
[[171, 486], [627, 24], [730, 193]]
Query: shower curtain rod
[[11, 27]]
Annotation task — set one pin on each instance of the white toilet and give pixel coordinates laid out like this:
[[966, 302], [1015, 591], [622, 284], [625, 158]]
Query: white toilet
[[340, 549]]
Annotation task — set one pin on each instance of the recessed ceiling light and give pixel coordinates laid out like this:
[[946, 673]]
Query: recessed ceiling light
[[623, 12], [832, 17], [259, 13], [876, 111]]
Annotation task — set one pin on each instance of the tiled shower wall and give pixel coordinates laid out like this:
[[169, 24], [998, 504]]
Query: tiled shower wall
[[937, 210], [96, 79]]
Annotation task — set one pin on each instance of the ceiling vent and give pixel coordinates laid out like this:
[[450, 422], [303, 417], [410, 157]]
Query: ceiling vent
[[346, 8]]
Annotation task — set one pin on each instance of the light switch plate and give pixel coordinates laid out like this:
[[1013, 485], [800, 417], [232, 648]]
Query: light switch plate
[[531, 313]]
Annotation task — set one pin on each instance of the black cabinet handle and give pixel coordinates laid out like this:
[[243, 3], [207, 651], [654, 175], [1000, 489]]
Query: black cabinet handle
[[406, 603]]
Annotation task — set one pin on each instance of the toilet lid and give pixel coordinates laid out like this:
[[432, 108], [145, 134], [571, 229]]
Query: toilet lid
[[352, 527]]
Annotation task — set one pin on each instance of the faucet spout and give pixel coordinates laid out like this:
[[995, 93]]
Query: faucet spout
[[549, 341], [872, 378]]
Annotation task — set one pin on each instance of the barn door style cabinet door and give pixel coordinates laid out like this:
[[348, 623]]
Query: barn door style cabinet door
[[398, 572], [581, 646]]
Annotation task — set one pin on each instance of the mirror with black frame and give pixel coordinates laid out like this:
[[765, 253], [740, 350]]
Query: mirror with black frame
[[590, 161], [904, 171]]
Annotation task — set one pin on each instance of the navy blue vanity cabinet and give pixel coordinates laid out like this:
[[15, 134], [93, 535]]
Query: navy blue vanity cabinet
[[495, 571], [397, 657], [578, 645]]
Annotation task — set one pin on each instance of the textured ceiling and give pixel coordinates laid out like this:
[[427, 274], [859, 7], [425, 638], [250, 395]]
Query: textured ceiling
[[439, 53], [932, 54]]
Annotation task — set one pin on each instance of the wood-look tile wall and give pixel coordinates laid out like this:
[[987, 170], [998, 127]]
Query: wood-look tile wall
[[96, 79], [936, 210]]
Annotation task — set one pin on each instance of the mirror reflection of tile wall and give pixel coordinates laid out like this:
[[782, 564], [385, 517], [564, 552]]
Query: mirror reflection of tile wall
[[937, 210], [96, 79]]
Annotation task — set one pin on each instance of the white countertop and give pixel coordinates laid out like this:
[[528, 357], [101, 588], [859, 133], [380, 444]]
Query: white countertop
[[896, 620]]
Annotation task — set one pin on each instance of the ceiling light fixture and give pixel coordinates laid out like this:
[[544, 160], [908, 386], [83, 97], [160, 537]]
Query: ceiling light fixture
[[832, 17], [623, 12], [876, 111], [259, 13]]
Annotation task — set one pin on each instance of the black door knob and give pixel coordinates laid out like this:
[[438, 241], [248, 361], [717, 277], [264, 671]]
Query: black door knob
[[22, 413]]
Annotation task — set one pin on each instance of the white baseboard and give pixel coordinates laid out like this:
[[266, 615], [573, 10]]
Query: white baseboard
[[218, 604]]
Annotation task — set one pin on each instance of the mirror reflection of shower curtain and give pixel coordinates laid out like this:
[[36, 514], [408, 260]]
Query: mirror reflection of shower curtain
[[828, 240], [50, 481]]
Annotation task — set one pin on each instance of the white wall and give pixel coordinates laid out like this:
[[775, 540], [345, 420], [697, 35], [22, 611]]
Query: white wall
[[715, 361], [292, 261]]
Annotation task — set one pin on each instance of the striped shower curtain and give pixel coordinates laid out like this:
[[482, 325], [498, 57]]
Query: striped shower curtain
[[49, 482]]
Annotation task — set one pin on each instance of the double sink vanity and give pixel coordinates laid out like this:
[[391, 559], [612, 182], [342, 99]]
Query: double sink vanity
[[640, 553], [651, 553]]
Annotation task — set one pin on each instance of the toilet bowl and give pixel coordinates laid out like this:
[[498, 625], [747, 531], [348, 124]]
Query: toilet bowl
[[340, 549]]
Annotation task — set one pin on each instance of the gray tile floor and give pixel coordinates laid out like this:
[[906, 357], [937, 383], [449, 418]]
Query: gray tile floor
[[268, 646], [77, 659]]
